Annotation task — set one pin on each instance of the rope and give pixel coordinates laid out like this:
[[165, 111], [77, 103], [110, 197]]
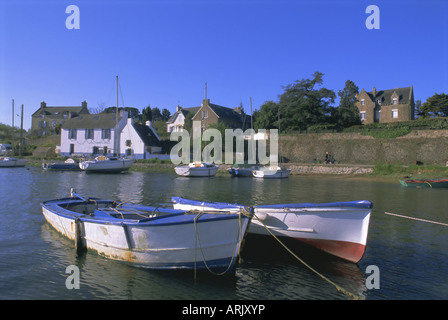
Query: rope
[[339, 288], [412, 218], [197, 239]]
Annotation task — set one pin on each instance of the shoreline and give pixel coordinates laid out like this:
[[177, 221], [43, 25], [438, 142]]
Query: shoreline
[[362, 171]]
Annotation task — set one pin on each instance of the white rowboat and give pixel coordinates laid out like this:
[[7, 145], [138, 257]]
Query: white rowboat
[[338, 228], [8, 162], [197, 169], [150, 237], [107, 164]]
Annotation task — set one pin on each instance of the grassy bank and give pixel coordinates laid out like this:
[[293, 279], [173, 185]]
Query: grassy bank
[[414, 171]]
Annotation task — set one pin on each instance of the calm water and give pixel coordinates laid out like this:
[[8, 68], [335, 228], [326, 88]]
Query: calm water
[[411, 255]]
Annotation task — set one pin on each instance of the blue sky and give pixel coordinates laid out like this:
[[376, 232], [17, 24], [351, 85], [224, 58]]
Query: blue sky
[[165, 50]]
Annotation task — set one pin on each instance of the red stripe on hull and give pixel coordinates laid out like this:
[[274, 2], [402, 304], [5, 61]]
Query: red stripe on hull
[[345, 250]]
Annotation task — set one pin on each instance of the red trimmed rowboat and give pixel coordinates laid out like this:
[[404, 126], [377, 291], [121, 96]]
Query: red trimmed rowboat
[[338, 228]]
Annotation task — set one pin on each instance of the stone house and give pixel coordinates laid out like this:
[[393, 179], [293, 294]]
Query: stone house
[[386, 105], [210, 113], [47, 119]]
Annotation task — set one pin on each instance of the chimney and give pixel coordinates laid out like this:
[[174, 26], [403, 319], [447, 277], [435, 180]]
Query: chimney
[[206, 102], [178, 108], [43, 104], [84, 104], [374, 92]]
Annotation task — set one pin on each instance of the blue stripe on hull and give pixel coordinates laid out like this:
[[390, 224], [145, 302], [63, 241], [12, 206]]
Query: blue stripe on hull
[[218, 265]]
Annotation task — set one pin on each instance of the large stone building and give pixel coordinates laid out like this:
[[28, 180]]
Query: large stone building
[[386, 105], [209, 113], [46, 119]]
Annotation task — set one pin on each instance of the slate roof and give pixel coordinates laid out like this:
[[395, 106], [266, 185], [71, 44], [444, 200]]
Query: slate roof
[[91, 121], [404, 95], [57, 111], [147, 135], [184, 111]]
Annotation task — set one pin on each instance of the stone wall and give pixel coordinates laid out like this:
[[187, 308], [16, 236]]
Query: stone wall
[[425, 146]]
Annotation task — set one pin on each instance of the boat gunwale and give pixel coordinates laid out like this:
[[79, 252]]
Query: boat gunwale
[[56, 208], [361, 204]]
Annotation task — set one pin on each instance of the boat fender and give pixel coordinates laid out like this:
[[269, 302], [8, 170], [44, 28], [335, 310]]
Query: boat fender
[[262, 216], [79, 245]]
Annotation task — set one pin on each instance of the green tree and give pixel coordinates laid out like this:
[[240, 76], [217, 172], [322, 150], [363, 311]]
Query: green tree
[[146, 114], [267, 116], [156, 114], [305, 103], [435, 106], [166, 114], [347, 114]]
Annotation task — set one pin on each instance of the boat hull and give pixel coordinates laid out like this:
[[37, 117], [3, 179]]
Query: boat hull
[[106, 166], [425, 183], [12, 162], [174, 241], [61, 166], [187, 171], [271, 174], [339, 229], [243, 171]]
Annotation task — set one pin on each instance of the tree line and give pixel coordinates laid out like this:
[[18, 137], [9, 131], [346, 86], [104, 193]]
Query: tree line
[[307, 104]]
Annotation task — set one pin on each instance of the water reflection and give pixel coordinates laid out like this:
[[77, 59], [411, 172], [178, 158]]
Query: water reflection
[[411, 255]]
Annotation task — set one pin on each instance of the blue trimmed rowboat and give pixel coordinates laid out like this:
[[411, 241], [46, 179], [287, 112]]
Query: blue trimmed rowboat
[[152, 237], [425, 183], [338, 228], [69, 164]]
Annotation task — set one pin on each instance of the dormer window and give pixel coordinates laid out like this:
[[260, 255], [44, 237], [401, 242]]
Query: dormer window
[[395, 100]]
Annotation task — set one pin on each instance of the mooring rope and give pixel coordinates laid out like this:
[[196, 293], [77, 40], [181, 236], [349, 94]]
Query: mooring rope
[[412, 218], [339, 288], [197, 239]]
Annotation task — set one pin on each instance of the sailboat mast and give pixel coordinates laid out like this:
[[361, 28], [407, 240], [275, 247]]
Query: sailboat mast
[[116, 125]]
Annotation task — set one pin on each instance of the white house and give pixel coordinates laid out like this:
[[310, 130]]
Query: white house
[[92, 134], [140, 141], [176, 122]]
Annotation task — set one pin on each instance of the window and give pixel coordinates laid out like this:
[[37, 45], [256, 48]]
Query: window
[[204, 114], [72, 134], [128, 143], [89, 134], [395, 101], [363, 102], [363, 115], [105, 133], [379, 101], [394, 113]]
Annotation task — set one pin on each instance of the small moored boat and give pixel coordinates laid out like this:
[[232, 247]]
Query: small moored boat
[[243, 170], [151, 237], [271, 172], [197, 169], [338, 228], [69, 164], [103, 164], [8, 162], [425, 183]]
